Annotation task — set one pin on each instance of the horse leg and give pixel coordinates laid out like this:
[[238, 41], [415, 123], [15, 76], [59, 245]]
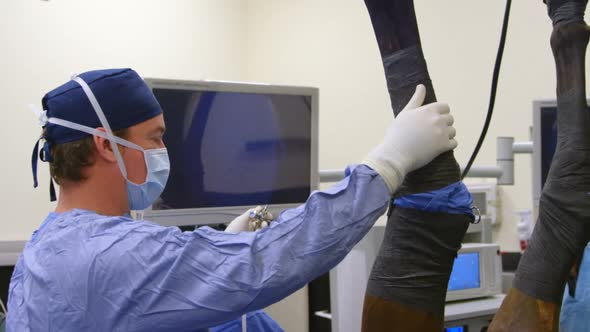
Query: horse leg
[[407, 287], [396, 30], [563, 228]]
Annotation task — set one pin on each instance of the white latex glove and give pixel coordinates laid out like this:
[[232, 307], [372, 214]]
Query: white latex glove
[[242, 222], [416, 136]]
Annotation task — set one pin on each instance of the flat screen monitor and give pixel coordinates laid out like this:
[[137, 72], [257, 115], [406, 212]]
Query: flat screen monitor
[[544, 143], [234, 146]]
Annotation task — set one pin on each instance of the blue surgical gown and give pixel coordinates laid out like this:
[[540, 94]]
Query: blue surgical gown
[[257, 321], [575, 310], [83, 271]]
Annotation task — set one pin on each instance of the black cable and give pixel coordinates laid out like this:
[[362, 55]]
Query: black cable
[[497, 66]]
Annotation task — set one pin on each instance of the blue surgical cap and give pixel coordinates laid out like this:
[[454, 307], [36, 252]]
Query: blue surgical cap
[[123, 96]]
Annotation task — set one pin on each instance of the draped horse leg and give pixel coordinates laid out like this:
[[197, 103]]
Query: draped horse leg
[[563, 228], [407, 287], [396, 30]]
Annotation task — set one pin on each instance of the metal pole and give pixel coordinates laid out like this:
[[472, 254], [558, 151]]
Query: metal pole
[[484, 172], [505, 160], [335, 175], [523, 147], [504, 171]]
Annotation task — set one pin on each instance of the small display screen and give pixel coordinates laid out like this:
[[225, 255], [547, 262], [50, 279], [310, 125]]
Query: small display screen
[[465, 274], [457, 329], [235, 149]]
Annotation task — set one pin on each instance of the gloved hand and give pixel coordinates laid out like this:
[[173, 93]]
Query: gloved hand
[[240, 224], [247, 222], [417, 135]]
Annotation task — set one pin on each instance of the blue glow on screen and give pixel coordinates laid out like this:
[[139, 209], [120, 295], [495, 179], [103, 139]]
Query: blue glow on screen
[[465, 274], [455, 329]]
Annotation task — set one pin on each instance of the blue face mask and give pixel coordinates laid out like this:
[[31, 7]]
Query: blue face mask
[[140, 196]]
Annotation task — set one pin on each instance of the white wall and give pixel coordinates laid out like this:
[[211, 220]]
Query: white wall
[[43, 43], [330, 44]]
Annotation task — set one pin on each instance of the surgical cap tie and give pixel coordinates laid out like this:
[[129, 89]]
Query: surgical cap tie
[[41, 115], [44, 155]]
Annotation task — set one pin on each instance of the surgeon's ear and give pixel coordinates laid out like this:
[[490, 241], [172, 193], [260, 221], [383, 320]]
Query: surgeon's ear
[[104, 148]]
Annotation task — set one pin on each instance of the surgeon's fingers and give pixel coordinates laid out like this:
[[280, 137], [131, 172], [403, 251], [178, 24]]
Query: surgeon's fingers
[[447, 119], [452, 132], [441, 108], [453, 144]]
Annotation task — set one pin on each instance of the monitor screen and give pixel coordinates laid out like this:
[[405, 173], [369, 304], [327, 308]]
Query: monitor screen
[[235, 149], [465, 273]]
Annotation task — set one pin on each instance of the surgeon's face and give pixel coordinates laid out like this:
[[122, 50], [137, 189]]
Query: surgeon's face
[[148, 135]]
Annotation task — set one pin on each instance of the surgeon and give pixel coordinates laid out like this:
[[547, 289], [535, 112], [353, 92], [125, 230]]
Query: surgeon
[[91, 267]]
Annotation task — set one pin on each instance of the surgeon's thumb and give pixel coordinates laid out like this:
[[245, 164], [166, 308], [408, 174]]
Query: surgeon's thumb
[[418, 98]]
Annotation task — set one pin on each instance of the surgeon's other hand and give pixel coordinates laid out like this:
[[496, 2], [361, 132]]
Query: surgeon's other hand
[[245, 223], [416, 136]]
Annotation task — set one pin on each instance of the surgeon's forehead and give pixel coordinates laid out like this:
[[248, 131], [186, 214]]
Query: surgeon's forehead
[[159, 129], [154, 125]]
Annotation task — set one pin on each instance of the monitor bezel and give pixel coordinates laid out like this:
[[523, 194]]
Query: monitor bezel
[[223, 215], [538, 105]]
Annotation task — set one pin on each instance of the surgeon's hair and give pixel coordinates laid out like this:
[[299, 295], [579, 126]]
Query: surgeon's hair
[[68, 160]]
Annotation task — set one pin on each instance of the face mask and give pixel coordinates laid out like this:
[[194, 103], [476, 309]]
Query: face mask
[[157, 163], [141, 196]]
